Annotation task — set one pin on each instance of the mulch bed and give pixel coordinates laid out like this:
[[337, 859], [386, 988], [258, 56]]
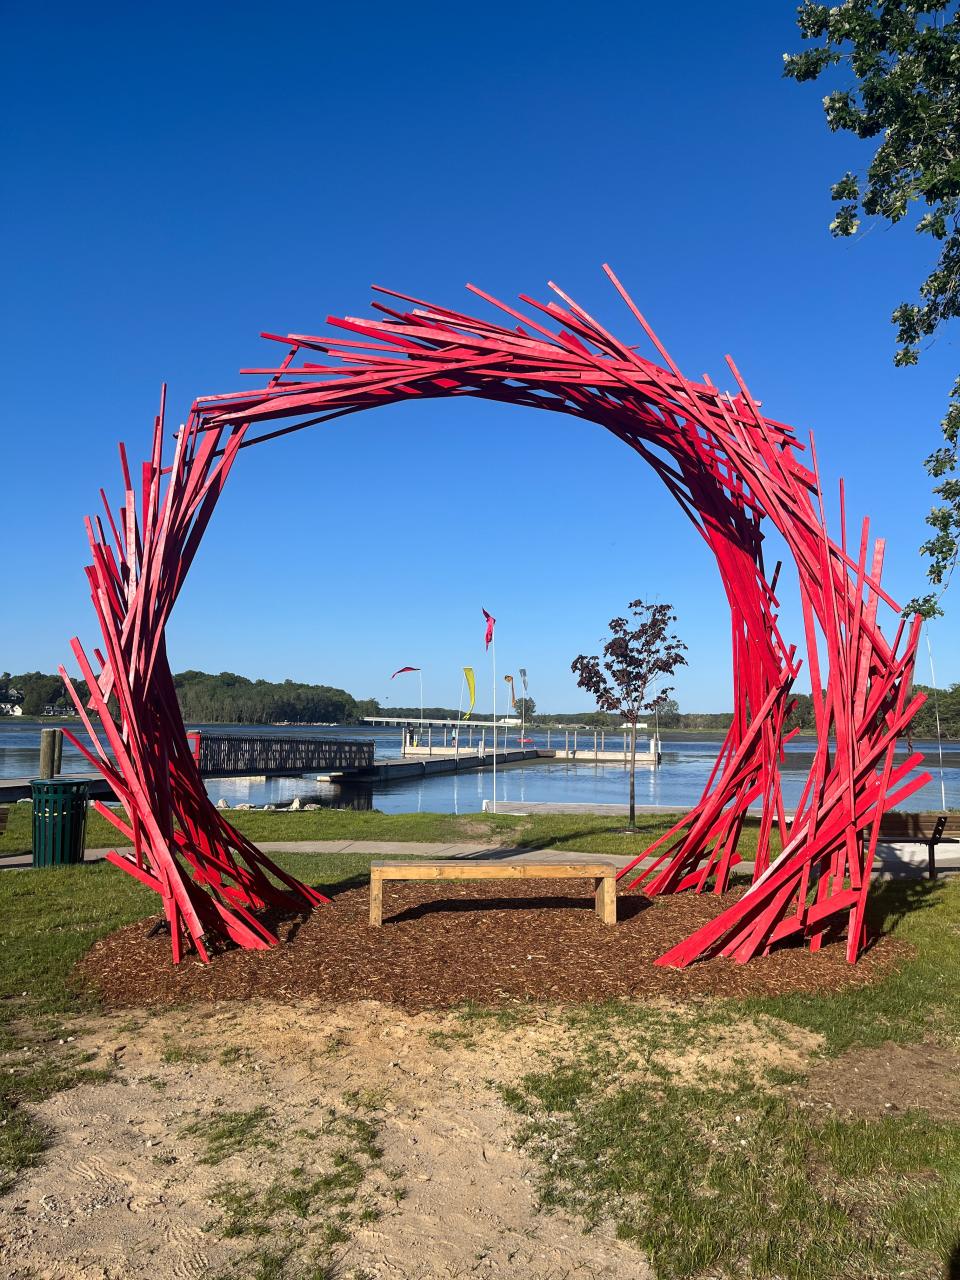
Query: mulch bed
[[443, 944]]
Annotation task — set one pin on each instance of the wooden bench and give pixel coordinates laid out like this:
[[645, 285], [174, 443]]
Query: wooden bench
[[929, 828], [603, 874]]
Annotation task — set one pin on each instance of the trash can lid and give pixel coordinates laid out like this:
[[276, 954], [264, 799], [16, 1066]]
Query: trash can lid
[[55, 783]]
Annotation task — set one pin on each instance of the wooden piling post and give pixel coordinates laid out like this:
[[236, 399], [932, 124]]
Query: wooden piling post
[[51, 751]]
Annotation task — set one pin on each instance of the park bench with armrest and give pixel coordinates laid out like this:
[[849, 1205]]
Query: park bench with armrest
[[929, 828], [604, 875]]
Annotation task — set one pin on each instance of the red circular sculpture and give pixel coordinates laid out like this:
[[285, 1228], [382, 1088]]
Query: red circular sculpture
[[728, 466]]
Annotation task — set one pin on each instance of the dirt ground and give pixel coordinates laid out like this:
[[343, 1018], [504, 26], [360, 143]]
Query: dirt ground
[[886, 1080], [445, 943], [124, 1192]]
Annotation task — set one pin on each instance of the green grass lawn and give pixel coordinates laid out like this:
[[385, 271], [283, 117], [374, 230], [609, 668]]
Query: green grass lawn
[[720, 1176], [727, 1176]]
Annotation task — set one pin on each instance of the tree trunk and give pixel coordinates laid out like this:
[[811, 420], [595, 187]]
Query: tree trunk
[[633, 777]]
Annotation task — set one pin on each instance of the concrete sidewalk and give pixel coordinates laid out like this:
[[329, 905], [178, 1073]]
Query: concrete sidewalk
[[375, 848], [907, 858]]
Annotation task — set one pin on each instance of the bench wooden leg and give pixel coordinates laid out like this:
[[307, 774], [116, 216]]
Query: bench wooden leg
[[606, 896], [376, 900]]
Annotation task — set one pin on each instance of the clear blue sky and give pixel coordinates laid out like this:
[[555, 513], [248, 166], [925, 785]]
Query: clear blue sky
[[180, 177]]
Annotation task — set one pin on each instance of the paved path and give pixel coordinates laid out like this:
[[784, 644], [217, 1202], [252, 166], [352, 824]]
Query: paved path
[[906, 858], [375, 848], [523, 808]]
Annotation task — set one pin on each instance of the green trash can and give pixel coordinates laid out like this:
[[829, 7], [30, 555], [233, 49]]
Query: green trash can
[[59, 820]]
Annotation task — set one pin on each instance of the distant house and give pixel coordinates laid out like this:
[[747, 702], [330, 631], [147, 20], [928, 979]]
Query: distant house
[[10, 706]]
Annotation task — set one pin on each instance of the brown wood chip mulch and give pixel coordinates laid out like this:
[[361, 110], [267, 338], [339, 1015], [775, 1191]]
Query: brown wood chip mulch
[[443, 944]]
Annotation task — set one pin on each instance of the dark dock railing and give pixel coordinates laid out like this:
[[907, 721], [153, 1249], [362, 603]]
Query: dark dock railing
[[220, 755]]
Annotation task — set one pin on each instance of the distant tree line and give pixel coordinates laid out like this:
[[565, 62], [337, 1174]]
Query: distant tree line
[[223, 699], [231, 699], [948, 704]]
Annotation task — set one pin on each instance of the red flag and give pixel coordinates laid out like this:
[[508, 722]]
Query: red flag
[[400, 670], [491, 622]]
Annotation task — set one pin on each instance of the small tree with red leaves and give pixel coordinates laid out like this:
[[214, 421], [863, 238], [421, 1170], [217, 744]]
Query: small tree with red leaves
[[635, 659]]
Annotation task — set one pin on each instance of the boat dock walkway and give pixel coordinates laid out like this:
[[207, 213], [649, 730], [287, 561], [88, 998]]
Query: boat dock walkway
[[423, 765], [388, 770], [13, 789]]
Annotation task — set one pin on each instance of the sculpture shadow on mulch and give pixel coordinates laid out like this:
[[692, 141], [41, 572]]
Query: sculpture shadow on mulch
[[628, 906]]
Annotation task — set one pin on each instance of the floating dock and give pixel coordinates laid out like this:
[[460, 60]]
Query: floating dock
[[587, 754], [423, 765], [433, 739]]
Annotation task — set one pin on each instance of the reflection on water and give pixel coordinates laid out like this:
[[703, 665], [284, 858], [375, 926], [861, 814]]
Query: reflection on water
[[678, 783]]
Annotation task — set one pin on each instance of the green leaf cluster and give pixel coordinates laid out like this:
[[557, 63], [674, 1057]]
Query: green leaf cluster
[[902, 59]]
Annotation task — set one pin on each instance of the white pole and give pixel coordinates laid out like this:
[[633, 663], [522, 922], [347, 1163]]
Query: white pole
[[936, 712], [493, 658], [456, 754], [420, 674]]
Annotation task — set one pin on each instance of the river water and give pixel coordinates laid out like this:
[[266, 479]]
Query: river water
[[678, 783]]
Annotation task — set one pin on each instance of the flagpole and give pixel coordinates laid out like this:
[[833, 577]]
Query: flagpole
[[493, 652], [420, 674], [456, 754]]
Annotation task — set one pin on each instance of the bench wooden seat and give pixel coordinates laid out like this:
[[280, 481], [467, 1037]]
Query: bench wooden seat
[[930, 829], [603, 874]]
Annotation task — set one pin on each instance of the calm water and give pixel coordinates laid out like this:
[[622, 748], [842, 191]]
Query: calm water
[[678, 782]]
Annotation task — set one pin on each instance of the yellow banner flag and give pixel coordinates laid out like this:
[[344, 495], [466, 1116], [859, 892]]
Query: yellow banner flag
[[472, 688], [513, 692]]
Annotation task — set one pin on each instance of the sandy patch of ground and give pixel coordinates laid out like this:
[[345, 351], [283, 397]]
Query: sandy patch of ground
[[746, 1051], [124, 1191]]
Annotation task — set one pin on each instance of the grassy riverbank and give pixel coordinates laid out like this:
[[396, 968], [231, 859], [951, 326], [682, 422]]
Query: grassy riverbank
[[588, 833]]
